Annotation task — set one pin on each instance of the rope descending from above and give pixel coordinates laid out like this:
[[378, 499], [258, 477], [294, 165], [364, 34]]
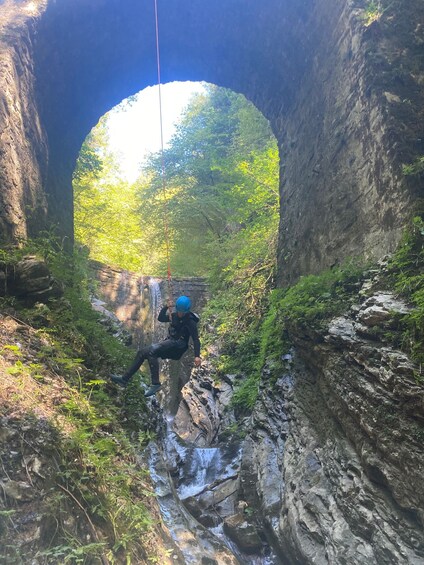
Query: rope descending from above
[[166, 222]]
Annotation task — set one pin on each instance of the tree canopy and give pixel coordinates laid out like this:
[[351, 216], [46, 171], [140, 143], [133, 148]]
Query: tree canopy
[[219, 194]]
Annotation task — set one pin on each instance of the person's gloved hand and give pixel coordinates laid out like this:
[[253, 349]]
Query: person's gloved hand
[[197, 361]]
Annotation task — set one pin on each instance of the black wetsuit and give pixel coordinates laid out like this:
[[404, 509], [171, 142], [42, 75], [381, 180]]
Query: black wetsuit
[[174, 347]]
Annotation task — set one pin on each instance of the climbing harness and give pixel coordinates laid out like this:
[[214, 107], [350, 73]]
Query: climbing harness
[[166, 221]]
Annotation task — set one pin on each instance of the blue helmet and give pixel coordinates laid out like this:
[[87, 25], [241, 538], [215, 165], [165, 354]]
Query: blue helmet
[[183, 304]]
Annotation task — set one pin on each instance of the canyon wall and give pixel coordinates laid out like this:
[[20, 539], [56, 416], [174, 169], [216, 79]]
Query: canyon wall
[[23, 141], [356, 120], [331, 456]]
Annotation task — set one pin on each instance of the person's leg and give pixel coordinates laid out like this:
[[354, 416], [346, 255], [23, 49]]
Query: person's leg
[[138, 361], [167, 349], [136, 364], [153, 360], [154, 369]]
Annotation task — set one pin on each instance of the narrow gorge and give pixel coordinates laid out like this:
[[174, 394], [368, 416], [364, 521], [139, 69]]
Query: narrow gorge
[[325, 470], [299, 440]]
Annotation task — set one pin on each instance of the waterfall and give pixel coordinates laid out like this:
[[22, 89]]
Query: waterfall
[[200, 466], [195, 486], [155, 304]]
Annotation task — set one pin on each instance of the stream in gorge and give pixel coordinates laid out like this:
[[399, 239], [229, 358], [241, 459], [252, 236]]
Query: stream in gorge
[[316, 471], [196, 483]]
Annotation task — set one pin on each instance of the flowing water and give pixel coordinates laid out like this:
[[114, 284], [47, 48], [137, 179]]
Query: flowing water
[[196, 543], [183, 473], [155, 305]]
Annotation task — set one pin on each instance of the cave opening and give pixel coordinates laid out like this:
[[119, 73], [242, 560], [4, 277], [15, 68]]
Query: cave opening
[[217, 179]]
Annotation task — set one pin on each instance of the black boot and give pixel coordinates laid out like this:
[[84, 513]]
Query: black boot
[[153, 390], [121, 381]]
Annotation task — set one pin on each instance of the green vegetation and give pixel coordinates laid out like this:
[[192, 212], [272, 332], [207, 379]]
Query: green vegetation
[[221, 187], [304, 306], [406, 275], [59, 370], [106, 218], [372, 12], [221, 191], [374, 9], [415, 168]]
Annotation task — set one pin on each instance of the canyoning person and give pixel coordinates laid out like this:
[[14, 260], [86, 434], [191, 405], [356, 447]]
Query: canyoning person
[[183, 326]]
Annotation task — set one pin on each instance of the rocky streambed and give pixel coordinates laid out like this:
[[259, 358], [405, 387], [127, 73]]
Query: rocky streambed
[[328, 467], [196, 470]]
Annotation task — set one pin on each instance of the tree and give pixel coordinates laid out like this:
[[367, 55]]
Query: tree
[[221, 173], [106, 218]]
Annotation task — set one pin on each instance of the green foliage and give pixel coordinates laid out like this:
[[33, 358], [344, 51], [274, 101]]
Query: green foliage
[[415, 168], [5, 517], [318, 297], [221, 171], [106, 219], [221, 207], [73, 554], [306, 305], [72, 316], [98, 471], [406, 274], [372, 12]]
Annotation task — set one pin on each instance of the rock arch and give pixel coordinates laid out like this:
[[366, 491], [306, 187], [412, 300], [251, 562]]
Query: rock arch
[[311, 67]]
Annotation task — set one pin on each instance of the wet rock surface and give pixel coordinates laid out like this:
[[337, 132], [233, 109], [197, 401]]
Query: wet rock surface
[[196, 544], [334, 457], [198, 483], [203, 413], [243, 533], [205, 472], [110, 321]]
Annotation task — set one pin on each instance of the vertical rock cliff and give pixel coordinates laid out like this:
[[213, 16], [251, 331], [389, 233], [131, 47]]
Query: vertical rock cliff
[[23, 143]]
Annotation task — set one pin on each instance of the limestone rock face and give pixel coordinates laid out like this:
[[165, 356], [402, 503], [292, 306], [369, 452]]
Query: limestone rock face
[[23, 142], [379, 308], [203, 411], [334, 459], [200, 424]]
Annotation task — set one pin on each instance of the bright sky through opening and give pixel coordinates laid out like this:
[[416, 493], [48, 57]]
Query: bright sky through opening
[[135, 130]]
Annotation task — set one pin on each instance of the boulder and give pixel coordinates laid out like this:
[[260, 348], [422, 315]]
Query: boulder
[[242, 533], [18, 490], [29, 279], [31, 275]]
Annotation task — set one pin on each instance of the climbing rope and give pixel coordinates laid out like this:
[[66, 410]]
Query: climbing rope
[[163, 176]]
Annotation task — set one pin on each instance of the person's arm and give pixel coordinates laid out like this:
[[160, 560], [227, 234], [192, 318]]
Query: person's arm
[[196, 343], [164, 314]]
